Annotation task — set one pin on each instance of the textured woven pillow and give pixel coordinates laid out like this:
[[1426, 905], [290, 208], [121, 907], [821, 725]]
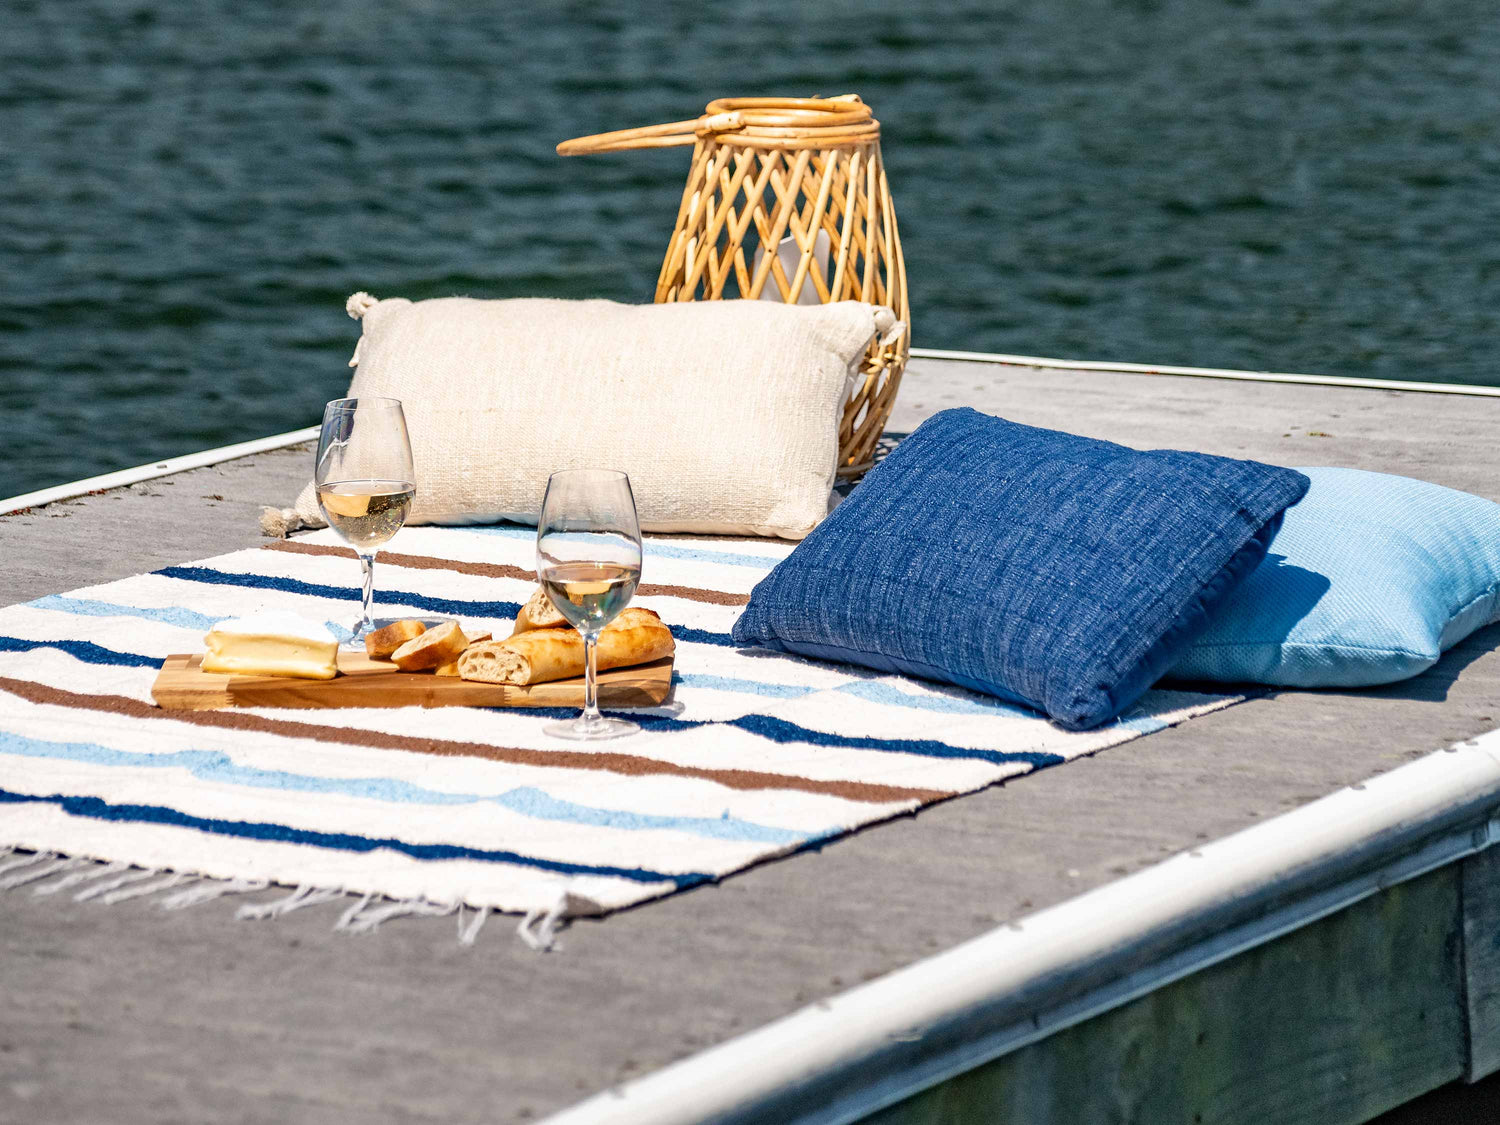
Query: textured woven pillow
[[724, 413], [1053, 570], [1371, 578]]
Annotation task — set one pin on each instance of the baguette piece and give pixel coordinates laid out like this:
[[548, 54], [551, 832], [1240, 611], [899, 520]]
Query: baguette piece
[[435, 647], [382, 642], [540, 656], [451, 668], [539, 613]]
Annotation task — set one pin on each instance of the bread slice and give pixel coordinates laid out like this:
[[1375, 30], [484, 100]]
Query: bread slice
[[540, 656], [435, 647], [539, 613], [382, 642]]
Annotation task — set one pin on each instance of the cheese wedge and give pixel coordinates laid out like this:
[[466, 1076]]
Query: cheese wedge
[[277, 643]]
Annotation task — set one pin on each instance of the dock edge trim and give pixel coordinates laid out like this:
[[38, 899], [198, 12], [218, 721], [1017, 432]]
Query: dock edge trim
[[155, 469], [1210, 373], [853, 1054]]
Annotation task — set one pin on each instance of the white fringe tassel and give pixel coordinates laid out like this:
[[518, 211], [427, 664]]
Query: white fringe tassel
[[139, 890], [468, 934], [105, 886], [21, 861], [210, 889], [94, 871], [31, 873], [110, 883], [539, 928], [302, 896], [359, 919]]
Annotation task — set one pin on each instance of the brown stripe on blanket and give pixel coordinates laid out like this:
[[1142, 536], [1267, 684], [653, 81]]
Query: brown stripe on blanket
[[501, 570], [867, 792]]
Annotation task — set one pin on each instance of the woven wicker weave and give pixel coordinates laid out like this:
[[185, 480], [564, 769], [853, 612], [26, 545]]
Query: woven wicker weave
[[765, 169]]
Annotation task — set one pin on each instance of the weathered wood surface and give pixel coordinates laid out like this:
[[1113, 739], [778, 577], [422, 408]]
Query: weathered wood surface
[[1481, 892], [1329, 1025], [130, 1014], [183, 685]]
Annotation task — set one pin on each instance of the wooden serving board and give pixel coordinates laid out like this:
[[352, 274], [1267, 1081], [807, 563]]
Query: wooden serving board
[[182, 685]]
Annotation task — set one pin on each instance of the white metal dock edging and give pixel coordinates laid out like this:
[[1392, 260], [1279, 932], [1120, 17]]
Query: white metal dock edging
[[844, 1058], [165, 468], [1211, 373]]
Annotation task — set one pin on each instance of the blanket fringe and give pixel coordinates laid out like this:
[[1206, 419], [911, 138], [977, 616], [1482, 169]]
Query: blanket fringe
[[539, 928], [360, 919], [93, 880], [23, 860], [141, 889], [303, 896], [105, 886], [52, 865], [468, 934], [92, 871], [210, 889]]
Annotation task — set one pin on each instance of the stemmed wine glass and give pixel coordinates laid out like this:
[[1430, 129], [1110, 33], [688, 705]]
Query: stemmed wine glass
[[365, 481], [588, 557]]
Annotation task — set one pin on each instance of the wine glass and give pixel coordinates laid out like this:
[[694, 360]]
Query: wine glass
[[365, 481], [588, 558]]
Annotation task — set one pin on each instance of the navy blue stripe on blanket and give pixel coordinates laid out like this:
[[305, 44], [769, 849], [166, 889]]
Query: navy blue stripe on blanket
[[458, 606], [784, 731], [97, 809], [781, 730], [86, 651]]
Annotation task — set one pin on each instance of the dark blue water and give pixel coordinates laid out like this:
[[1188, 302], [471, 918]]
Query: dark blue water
[[188, 191]]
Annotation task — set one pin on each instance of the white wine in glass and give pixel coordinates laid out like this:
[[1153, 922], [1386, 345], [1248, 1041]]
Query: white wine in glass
[[365, 481], [588, 558]]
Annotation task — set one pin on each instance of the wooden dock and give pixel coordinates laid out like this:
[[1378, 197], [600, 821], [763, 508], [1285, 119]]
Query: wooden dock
[[1268, 1011]]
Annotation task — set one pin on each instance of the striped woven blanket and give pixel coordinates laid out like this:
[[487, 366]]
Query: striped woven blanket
[[756, 755]]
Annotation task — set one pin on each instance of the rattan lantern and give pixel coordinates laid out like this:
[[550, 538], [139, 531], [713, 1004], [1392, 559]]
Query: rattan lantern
[[790, 194]]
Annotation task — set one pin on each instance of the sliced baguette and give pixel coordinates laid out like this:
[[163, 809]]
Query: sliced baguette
[[382, 642], [538, 613], [540, 656], [435, 647], [451, 668]]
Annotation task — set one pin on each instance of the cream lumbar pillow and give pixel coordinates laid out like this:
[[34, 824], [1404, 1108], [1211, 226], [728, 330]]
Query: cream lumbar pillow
[[725, 414]]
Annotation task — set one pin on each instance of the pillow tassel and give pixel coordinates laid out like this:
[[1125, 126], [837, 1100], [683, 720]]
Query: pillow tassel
[[278, 523]]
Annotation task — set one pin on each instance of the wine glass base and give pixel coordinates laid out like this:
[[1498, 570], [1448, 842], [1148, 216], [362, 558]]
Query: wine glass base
[[584, 729]]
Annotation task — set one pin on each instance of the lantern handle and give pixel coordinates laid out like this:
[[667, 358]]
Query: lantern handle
[[673, 134], [784, 123]]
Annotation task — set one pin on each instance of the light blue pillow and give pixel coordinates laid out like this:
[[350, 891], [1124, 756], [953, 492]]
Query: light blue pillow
[[1369, 580]]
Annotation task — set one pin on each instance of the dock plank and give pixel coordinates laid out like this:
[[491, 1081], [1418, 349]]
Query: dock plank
[[1481, 898]]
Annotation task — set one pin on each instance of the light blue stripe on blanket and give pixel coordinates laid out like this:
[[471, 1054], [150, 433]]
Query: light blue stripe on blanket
[[212, 765], [87, 607], [867, 690], [170, 615]]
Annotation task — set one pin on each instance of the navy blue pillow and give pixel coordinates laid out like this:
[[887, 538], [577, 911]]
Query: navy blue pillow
[[1041, 567]]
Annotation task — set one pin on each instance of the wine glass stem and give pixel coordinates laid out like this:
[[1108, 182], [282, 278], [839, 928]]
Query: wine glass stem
[[367, 595], [590, 679]]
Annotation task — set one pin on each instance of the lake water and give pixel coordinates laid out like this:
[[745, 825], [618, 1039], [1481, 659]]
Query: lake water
[[188, 191]]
